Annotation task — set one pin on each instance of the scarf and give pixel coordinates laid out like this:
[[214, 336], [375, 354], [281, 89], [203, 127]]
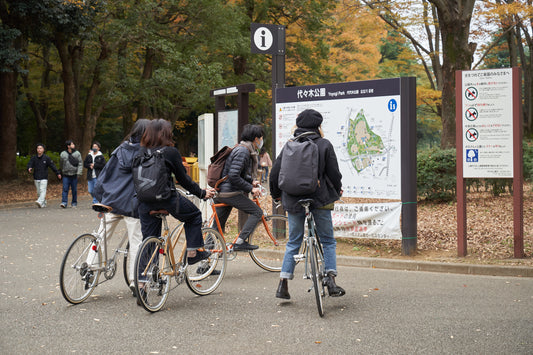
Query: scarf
[[253, 155]]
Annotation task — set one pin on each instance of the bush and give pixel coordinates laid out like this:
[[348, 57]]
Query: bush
[[436, 174]]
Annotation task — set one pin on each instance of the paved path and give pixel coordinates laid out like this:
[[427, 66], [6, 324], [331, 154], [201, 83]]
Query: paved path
[[384, 311]]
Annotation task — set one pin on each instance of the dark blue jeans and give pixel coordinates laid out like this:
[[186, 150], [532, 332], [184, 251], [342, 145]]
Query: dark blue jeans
[[180, 208], [72, 182]]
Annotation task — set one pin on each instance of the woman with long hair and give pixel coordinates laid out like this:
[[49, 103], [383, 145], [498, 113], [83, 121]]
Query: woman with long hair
[[158, 135]]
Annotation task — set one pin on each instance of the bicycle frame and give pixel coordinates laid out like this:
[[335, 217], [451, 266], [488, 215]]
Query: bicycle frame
[[170, 244], [102, 241], [214, 217]]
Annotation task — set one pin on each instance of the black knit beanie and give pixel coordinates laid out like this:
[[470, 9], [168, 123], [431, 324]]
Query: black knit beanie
[[309, 119]]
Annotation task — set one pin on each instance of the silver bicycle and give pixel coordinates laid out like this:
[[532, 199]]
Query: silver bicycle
[[313, 257], [87, 258]]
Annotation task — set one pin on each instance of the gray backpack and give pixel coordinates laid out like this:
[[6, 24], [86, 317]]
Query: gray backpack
[[298, 174]]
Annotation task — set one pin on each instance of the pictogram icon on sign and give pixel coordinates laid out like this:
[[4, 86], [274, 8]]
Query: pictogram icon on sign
[[471, 114], [472, 135], [471, 93], [263, 38], [472, 155], [267, 39]]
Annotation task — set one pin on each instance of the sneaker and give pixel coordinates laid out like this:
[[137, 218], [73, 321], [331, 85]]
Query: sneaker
[[44, 204], [63, 205], [200, 255], [133, 292], [74, 205], [244, 246], [203, 269], [38, 204]]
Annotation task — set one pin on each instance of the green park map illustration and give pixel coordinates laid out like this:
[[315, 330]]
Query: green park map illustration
[[362, 143]]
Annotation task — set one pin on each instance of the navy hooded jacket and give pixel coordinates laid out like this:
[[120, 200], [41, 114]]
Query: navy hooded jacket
[[114, 185]]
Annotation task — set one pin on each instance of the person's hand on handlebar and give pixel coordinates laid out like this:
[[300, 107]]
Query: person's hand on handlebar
[[256, 192], [210, 193]]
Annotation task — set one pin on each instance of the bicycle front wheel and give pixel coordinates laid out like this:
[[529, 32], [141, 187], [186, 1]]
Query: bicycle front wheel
[[205, 276], [152, 274], [317, 275], [79, 271], [271, 235]]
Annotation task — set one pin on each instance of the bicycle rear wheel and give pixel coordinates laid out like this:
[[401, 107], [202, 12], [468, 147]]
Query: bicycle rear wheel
[[205, 276], [77, 278], [271, 250], [152, 281], [317, 275]]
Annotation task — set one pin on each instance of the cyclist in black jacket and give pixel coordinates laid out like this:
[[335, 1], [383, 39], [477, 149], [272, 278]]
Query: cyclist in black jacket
[[158, 135], [328, 191], [38, 165]]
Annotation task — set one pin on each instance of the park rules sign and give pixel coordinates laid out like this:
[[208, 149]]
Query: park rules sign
[[487, 116]]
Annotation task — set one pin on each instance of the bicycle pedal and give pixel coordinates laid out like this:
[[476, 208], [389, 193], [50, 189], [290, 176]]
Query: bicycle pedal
[[299, 257]]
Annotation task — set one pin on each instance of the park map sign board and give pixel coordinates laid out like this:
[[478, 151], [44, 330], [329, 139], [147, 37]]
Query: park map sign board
[[489, 140], [362, 121], [365, 123]]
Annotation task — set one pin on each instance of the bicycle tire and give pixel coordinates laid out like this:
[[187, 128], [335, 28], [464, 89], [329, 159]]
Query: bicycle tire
[[269, 255], [316, 276], [151, 284], [125, 266], [204, 277], [76, 280]]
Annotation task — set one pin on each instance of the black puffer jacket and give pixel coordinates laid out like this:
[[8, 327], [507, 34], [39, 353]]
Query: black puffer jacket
[[329, 176], [238, 168]]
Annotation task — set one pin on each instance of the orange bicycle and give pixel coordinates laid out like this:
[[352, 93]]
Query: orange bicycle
[[271, 238]]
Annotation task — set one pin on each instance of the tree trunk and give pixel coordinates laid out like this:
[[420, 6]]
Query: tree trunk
[[90, 118], [69, 56], [454, 23], [143, 111], [8, 122]]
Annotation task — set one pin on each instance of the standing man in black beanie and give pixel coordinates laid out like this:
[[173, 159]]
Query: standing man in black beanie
[[328, 191]]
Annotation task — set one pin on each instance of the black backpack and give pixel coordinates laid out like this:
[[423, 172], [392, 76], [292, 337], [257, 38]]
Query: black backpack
[[151, 179], [298, 173]]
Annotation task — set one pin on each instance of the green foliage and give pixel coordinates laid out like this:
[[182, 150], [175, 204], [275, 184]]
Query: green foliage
[[10, 57], [436, 175]]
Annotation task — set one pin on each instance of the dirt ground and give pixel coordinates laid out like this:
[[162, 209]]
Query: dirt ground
[[489, 230]]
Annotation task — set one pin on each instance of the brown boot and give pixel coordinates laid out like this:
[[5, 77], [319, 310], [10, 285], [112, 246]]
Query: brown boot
[[333, 289], [283, 290]]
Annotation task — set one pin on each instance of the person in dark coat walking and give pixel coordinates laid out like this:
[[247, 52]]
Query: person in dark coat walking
[[328, 191], [38, 165]]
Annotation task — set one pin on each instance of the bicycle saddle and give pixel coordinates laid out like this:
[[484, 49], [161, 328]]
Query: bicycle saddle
[[305, 201], [159, 213], [98, 207]]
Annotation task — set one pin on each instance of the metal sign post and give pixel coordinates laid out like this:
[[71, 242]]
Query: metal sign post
[[270, 39]]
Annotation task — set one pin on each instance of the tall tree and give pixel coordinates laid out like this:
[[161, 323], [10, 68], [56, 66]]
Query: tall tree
[[11, 44]]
